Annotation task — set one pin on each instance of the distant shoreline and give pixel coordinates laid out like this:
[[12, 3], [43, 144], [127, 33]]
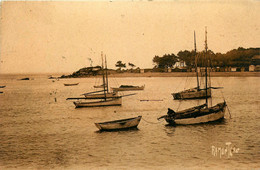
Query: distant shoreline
[[187, 74], [155, 74]]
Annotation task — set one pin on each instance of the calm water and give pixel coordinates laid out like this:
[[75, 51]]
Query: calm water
[[39, 133]]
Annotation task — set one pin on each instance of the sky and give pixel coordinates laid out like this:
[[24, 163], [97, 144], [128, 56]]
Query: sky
[[61, 36]]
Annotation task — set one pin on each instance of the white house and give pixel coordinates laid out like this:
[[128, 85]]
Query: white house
[[233, 69], [251, 68]]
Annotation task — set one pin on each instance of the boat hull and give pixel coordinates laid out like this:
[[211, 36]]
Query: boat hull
[[206, 115], [75, 84], [108, 102], [119, 124], [128, 88], [192, 94], [97, 96]]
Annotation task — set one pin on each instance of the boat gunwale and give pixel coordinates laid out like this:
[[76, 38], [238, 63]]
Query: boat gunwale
[[120, 120]]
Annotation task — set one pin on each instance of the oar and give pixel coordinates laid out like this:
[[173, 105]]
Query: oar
[[162, 117], [216, 87], [74, 98], [213, 88]]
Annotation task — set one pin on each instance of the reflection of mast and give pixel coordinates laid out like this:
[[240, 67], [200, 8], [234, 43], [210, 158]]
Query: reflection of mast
[[106, 72], [206, 74], [103, 74], [196, 62]]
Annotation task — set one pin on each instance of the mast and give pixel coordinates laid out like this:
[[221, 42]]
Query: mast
[[106, 72], [196, 62], [206, 63], [103, 74]]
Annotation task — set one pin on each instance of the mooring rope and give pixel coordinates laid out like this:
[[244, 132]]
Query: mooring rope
[[152, 122], [229, 112]]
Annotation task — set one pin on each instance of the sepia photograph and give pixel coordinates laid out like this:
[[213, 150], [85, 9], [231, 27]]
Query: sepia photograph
[[130, 84]]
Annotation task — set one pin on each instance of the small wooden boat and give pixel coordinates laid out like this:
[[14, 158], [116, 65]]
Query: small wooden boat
[[128, 88], [1, 92], [72, 84], [119, 124], [2, 86], [106, 102]]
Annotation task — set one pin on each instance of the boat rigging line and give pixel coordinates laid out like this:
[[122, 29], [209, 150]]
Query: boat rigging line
[[159, 121]]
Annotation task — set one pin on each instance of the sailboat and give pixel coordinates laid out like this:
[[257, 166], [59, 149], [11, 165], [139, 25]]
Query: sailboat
[[197, 92], [198, 114], [107, 98]]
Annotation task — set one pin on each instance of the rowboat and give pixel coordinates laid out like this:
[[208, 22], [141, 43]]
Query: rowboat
[[2, 86], [119, 124], [71, 84], [107, 102], [128, 88]]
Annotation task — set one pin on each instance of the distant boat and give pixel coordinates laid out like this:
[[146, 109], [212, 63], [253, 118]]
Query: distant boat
[[72, 84], [128, 88], [27, 78], [2, 86], [193, 93], [107, 98], [107, 102], [119, 124], [1, 92], [200, 113], [100, 95]]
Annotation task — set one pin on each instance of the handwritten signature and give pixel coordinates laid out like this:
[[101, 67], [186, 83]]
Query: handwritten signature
[[228, 150]]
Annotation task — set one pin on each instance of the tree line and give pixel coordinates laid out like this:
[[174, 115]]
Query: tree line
[[240, 57]]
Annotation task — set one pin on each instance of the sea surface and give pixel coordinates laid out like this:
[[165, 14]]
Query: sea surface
[[40, 129]]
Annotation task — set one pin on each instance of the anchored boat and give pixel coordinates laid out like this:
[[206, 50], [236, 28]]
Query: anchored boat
[[107, 102], [119, 124], [72, 84], [197, 92], [106, 98], [198, 114], [128, 88]]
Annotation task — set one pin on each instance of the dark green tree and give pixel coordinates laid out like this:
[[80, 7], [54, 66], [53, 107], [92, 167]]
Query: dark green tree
[[120, 65], [167, 60]]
